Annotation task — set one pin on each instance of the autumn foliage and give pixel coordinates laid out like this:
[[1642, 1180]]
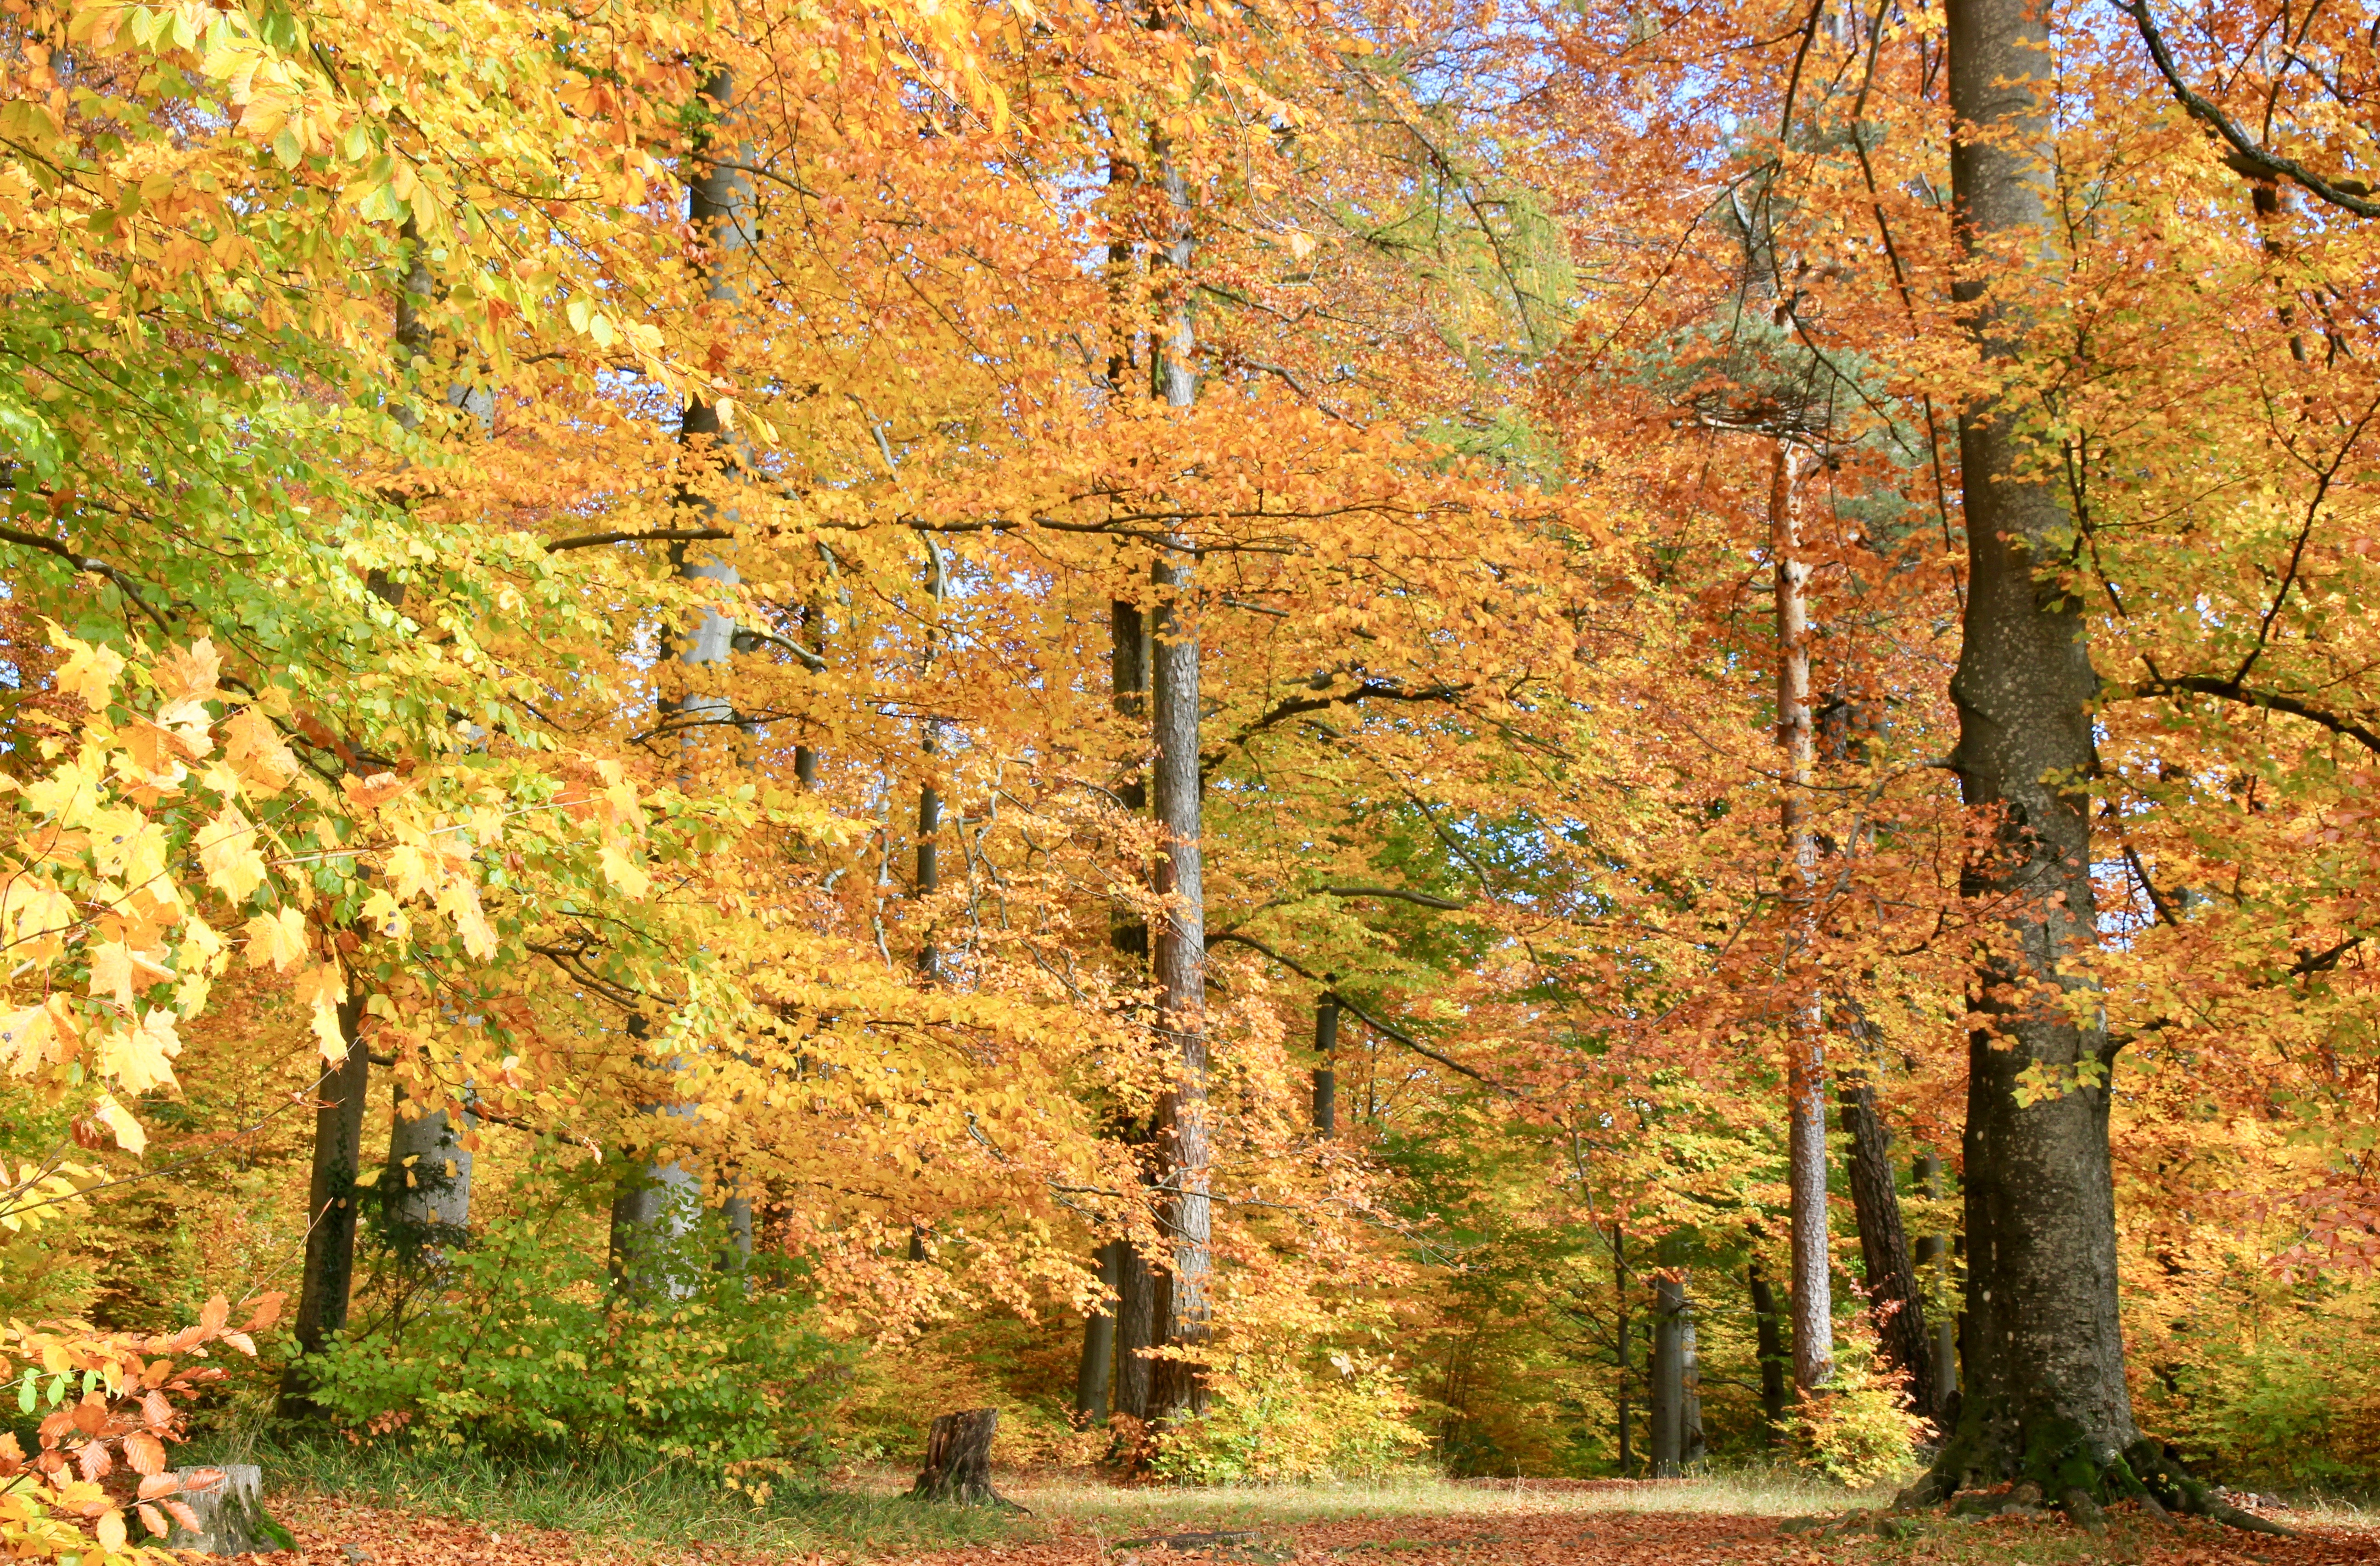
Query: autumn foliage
[[604, 565]]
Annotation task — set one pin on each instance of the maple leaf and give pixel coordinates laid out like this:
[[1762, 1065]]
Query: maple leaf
[[277, 939], [321, 988], [139, 1057], [88, 671], [129, 1136], [228, 852]]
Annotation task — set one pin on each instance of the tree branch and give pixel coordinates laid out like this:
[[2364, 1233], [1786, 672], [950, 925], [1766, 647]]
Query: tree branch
[[2277, 701], [2250, 156]]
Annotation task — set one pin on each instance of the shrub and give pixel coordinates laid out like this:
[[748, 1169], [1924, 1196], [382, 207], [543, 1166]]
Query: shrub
[[526, 1347], [1279, 1417], [1860, 1428]]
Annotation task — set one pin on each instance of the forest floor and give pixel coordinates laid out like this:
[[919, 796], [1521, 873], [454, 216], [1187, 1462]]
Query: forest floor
[[1077, 1521]]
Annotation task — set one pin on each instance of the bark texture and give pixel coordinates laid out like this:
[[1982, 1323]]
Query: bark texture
[[2044, 1393], [1136, 1332], [328, 1281], [1667, 1392], [1178, 1386], [958, 1460], [1893, 1289], [1775, 1363], [1092, 1376], [1805, 1059], [1930, 1252]]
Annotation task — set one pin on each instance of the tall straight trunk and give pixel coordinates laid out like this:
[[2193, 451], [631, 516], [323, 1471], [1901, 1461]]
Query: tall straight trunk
[[1326, 1074], [1668, 1393], [1892, 1289], [2044, 1390], [1091, 1377], [1769, 1337], [328, 1281], [1932, 1251], [1620, 1296], [1179, 951], [1694, 1447], [1805, 1065], [653, 1208], [929, 797], [1136, 1330]]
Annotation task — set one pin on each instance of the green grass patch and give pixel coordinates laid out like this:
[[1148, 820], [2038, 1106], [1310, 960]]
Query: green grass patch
[[619, 1496]]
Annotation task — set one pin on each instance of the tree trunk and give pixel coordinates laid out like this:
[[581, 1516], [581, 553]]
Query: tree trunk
[[1098, 1343], [426, 1188], [1619, 1294], [328, 1281], [1805, 1065], [1932, 1252], [1178, 1384], [1768, 1334], [2044, 1391], [1695, 1447], [1136, 1330], [1326, 1075], [1668, 1389], [958, 1460], [656, 1203], [1892, 1288]]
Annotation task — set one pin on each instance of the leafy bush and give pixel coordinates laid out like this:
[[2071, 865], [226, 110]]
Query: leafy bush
[[1860, 1428], [1276, 1418], [526, 1348]]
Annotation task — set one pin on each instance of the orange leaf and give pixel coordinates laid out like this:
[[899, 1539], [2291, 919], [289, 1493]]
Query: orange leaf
[[145, 1452]]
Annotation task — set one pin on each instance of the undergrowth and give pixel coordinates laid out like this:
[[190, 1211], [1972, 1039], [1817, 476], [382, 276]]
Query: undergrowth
[[615, 1496]]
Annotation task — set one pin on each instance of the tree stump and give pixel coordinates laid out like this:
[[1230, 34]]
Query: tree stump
[[958, 1460], [232, 1519]]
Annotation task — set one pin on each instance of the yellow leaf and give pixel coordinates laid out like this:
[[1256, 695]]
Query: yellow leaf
[[276, 941], [624, 872], [322, 987], [88, 671], [228, 852], [459, 901], [129, 1134], [111, 1530], [140, 1058]]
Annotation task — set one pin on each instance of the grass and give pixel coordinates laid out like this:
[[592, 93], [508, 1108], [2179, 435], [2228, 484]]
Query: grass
[[865, 1513], [617, 1497]]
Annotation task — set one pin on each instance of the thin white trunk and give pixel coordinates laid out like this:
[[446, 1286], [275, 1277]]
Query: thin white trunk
[[1805, 1063]]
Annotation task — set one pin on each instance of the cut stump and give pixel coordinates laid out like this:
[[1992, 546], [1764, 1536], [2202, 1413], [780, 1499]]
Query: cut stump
[[958, 1460], [232, 1519]]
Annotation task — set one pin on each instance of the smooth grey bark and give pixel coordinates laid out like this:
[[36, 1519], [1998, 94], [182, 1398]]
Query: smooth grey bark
[[1091, 1378], [1892, 1287], [1326, 1075], [327, 1282], [2044, 1393], [1775, 1362], [657, 1203], [1668, 1391], [426, 1188], [1178, 1388], [1933, 1251]]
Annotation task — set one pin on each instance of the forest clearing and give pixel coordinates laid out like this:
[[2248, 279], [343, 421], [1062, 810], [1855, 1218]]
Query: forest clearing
[[1589, 780]]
